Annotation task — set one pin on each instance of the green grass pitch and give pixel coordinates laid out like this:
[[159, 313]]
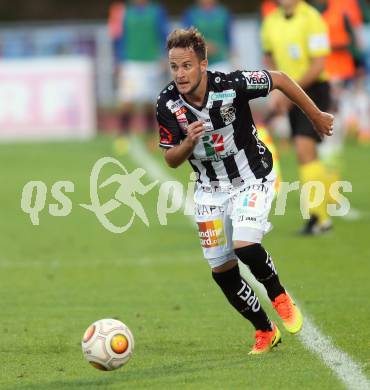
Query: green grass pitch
[[60, 276]]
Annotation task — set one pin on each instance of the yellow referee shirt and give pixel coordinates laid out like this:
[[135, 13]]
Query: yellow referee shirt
[[295, 40]]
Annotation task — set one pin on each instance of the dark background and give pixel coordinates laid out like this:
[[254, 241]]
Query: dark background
[[44, 10]]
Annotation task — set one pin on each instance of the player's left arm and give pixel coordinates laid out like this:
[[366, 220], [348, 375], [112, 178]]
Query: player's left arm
[[322, 121]]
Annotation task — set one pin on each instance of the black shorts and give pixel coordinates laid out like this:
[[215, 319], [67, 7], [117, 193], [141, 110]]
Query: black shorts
[[299, 123]]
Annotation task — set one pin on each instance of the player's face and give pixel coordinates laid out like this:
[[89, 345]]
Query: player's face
[[186, 69]]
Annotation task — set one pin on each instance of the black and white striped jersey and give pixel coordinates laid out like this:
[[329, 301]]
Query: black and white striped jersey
[[229, 151]]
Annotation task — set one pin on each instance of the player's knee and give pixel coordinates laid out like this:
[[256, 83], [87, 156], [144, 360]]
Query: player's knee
[[222, 262], [241, 244], [251, 249], [229, 264]]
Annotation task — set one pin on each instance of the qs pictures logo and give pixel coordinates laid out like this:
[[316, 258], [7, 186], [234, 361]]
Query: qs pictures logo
[[129, 189]]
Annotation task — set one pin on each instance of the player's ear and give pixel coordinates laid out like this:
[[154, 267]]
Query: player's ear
[[203, 65]]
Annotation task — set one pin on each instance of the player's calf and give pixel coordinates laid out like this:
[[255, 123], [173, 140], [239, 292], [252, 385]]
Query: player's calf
[[262, 267], [242, 297]]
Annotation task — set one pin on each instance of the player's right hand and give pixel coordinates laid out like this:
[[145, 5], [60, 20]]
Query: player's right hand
[[195, 131]]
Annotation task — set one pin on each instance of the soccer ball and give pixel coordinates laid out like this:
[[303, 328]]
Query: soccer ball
[[107, 344]]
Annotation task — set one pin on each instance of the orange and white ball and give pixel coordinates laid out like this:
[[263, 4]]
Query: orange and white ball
[[107, 344]]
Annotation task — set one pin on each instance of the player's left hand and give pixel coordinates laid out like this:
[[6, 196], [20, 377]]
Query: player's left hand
[[324, 123]]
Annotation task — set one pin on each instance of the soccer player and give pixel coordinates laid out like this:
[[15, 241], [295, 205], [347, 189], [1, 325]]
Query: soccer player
[[299, 49], [205, 118]]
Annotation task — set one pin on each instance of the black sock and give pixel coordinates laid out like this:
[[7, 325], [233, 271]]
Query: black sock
[[262, 267], [242, 297]]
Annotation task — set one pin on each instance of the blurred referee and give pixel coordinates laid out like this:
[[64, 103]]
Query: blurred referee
[[295, 41]]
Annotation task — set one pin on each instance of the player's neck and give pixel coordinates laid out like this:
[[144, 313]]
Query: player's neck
[[196, 97]]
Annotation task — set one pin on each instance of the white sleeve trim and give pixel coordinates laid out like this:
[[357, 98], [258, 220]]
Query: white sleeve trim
[[269, 80]]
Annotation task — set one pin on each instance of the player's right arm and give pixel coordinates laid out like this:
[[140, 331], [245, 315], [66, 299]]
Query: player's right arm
[[177, 146], [176, 155]]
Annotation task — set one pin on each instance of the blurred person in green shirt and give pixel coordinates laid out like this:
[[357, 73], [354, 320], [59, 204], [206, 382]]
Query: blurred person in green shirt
[[139, 60], [214, 21]]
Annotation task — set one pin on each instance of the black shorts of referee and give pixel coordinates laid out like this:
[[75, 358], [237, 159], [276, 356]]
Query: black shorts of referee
[[319, 92]]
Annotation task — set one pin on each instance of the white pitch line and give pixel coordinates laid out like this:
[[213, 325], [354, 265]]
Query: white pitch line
[[345, 368]]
